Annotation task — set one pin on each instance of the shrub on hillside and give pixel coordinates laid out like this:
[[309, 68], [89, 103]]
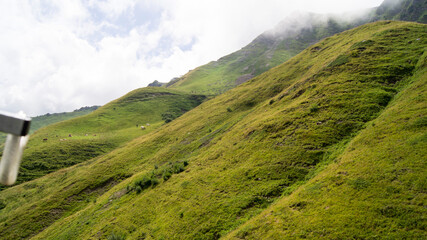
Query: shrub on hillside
[[314, 108], [152, 179], [340, 60], [144, 183], [116, 236], [2, 204]]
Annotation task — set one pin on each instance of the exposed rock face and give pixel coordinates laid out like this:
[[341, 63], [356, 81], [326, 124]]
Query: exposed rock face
[[156, 84]]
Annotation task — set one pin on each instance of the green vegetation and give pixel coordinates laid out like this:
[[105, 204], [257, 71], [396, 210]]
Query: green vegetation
[[375, 188], [116, 236], [340, 60], [309, 150], [47, 119], [405, 10], [80, 139], [276, 46], [153, 179], [156, 84], [265, 52]]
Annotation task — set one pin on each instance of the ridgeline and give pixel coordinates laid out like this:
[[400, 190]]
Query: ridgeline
[[330, 144]]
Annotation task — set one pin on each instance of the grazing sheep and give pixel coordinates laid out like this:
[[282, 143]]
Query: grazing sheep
[[69, 135], [142, 128]]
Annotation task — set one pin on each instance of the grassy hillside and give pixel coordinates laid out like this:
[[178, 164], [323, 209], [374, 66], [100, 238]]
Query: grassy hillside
[[406, 10], [80, 139], [375, 189], [51, 118], [286, 40], [206, 174], [268, 50], [47, 119]]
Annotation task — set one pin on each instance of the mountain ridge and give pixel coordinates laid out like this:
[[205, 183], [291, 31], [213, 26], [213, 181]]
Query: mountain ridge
[[285, 40], [372, 196], [70, 142], [404, 10], [224, 162]]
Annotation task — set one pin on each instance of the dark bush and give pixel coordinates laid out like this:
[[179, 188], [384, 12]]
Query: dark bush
[[116, 236], [340, 60], [314, 108], [154, 181], [144, 183], [166, 174], [2, 205], [177, 167], [359, 183], [138, 189]]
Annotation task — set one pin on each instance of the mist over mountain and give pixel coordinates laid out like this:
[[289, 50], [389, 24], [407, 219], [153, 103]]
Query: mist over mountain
[[284, 41], [405, 10], [317, 129], [268, 50], [217, 170]]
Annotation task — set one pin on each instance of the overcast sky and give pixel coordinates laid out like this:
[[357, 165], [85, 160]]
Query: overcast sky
[[58, 56]]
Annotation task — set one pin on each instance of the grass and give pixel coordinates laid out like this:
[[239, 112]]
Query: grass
[[404, 10], [275, 47], [262, 54], [47, 119], [80, 139], [376, 188], [313, 149]]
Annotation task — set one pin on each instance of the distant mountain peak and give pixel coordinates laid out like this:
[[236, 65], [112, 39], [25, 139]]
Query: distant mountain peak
[[406, 10]]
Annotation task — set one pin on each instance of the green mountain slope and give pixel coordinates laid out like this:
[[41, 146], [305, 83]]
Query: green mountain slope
[[268, 50], [405, 10], [80, 139], [47, 119], [375, 189], [287, 39], [210, 171]]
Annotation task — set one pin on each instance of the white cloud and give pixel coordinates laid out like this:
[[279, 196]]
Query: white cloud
[[112, 8], [61, 55]]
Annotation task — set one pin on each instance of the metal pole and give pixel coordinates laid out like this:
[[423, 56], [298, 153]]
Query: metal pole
[[11, 159], [17, 127]]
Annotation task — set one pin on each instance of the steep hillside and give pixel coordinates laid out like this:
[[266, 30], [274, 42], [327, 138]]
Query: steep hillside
[[287, 39], [375, 189], [51, 118], [80, 139], [210, 171], [268, 50], [47, 119], [405, 10]]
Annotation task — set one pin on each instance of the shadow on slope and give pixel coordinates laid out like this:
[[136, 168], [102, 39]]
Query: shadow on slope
[[244, 149], [77, 140]]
